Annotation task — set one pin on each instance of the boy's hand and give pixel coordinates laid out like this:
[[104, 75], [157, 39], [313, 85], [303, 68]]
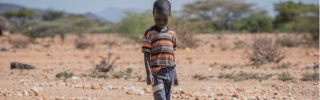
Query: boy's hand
[[150, 80], [176, 81]]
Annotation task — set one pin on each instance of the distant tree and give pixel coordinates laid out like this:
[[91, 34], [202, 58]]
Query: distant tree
[[4, 25], [21, 17], [220, 12], [52, 15], [254, 24], [135, 24], [297, 17]]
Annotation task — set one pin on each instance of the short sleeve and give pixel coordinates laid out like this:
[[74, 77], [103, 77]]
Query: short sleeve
[[146, 42]]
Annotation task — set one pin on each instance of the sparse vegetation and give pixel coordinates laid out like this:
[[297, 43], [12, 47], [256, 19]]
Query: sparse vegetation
[[310, 76], [200, 77], [287, 41], [19, 43], [245, 76], [123, 74], [285, 76], [263, 50], [282, 66], [228, 66], [82, 43], [64, 74]]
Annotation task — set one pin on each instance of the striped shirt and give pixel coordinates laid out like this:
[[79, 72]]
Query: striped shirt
[[161, 44]]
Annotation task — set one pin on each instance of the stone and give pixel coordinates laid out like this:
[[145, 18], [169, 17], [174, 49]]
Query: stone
[[220, 94], [86, 86], [19, 94], [25, 93], [36, 89], [240, 89], [130, 92], [236, 95], [139, 92], [147, 90], [95, 87], [18, 65]]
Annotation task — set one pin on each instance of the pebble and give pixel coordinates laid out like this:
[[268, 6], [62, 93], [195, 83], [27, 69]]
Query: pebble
[[86, 86], [96, 87], [240, 89], [36, 89], [236, 95]]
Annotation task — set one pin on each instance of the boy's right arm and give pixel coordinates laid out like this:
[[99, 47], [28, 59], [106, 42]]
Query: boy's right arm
[[150, 79]]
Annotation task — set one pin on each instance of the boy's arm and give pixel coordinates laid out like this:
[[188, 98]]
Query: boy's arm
[[150, 80]]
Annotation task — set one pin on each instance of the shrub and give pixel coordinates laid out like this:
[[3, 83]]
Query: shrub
[[64, 74], [282, 66], [285, 76], [310, 76], [19, 43], [200, 77], [245, 76], [264, 51], [287, 41], [82, 43], [123, 74], [106, 64]]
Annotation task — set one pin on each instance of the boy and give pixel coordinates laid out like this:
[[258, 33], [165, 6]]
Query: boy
[[158, 46]]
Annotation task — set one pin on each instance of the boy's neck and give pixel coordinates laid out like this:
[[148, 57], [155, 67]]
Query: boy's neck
[[165, 28]]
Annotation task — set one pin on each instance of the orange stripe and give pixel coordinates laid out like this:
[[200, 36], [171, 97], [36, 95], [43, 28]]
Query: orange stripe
[[169, 56], [149, 33], [161, 42], [146, 45], [155, 69]]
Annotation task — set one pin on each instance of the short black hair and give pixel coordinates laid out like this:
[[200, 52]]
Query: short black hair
[[162, 6]]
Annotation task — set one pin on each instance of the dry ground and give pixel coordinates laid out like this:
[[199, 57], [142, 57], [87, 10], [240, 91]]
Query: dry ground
[[218, 54]]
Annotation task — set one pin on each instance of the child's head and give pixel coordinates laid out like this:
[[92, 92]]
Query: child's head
[[161, 12]]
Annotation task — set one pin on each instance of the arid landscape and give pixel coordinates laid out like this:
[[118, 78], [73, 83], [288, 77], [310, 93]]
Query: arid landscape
[[217, 69]]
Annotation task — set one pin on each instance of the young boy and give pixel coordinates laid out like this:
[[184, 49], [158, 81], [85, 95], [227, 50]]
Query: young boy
[[158, 45]]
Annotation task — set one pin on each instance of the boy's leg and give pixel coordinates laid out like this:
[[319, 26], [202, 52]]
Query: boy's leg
[[158, 88], [170, 82]]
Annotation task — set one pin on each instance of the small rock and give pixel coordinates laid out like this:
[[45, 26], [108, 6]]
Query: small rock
[[59, 98], [36, 89], [220, 94], [240, 89], [130, 92], [86, 86], [25, 93], [95, 87], [236, 95], [19, 94], [139, 92], [147, 90]]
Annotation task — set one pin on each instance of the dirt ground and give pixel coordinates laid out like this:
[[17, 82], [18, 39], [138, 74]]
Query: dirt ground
[[198, 70]]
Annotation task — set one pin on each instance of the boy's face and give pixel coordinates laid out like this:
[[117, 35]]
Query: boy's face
[[161, 19]]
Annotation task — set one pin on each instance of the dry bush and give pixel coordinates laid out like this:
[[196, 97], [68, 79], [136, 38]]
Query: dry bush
[[106, 65], [287, 41], [241, 76], [19, 43], [83, 43], [263, 50], [285, 76], [185, 38], [310, 76]]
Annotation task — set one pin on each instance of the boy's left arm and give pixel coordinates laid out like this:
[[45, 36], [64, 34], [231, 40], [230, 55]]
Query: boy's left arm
[[176, 81]]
